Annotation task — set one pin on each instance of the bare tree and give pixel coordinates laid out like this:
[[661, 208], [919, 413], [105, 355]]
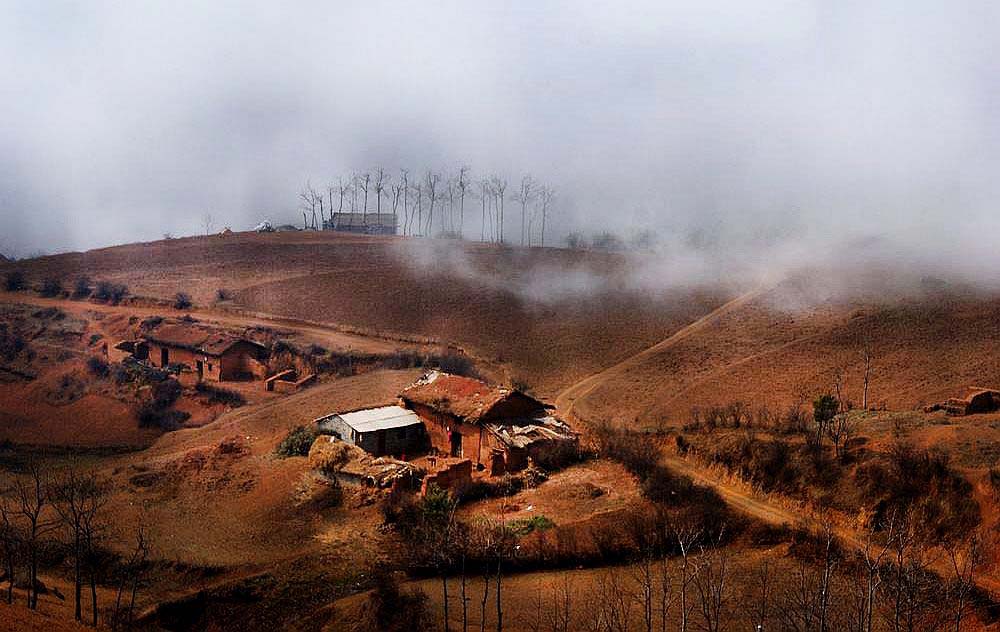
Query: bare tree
[[499, 188], [687, 535], [129, 580], [841, 429], [873, 557], [712, 584], [77, 498], [364, 181], [207, 222], [525, 194], [463, 186], [546, 195], [432, 181], [965, 555], [404, 180], [9, 543], [398, 191], [380, 186], [311, 200], [32, 498]]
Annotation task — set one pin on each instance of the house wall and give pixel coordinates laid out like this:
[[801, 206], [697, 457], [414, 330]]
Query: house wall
[[211, 367], [407, 440], [439, 425]]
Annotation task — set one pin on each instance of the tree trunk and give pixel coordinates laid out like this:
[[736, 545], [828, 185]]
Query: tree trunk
[[77, 580]]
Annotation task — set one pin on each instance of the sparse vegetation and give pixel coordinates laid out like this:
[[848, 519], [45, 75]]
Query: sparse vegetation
[[81, 287], [296, 443], [51, 287], [98, 367], [182, 300], [158, 411], [110, 292], [220, 395], [14, 281]]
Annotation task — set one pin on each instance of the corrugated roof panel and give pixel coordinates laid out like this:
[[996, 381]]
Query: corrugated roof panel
[[383, 418]]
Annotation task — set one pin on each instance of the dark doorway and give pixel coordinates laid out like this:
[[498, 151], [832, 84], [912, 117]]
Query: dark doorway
[[456, 443], [380, 443], [164, 357], [201, 370]]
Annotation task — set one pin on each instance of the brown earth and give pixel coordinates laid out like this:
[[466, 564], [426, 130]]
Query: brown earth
[[215, 497]]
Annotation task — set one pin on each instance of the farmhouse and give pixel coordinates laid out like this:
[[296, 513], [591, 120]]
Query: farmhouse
[[493, 426], [378, 431], [976, 400], [211, 354], [365, 223]]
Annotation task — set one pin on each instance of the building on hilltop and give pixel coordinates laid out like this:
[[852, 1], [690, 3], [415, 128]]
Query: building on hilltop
[[363, 223]]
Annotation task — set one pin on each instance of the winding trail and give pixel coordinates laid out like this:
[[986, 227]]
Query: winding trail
[[737, 497]]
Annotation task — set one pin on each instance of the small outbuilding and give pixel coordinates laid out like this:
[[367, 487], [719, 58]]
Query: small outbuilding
[[379, 431]]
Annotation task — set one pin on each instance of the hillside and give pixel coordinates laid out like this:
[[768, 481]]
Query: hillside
[[545, 317], [924, 346]]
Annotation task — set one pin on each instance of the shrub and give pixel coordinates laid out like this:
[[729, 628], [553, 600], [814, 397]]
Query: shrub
[[51, 287], [524, 526], [81, 287], [14, 281], [149, 416], [296, 443], [151, 323], [394, 610], [219, 395], [182, 300], [223, 294], [166, 393], [110, 292], [97, 366], [456, 363], [11, 343]]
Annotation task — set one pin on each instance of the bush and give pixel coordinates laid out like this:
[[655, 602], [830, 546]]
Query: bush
[[98, 367], [182, 300], [11, 344], [923, 485], [296, 443], [219, 395], [110, 292], [223, 294], [393, 610], [14, 281], [51, 287], [166, 393], [149, 416], [81, 287], [524, 526]]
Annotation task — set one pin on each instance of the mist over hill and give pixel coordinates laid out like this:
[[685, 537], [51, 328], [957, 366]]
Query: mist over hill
[[765, 135]]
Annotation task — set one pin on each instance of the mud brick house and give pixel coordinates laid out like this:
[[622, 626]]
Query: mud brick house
[[213, 355], [494, 427], [365, 223], [379, 431]]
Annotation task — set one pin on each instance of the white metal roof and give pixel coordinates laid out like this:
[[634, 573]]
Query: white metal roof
[[382, 418]]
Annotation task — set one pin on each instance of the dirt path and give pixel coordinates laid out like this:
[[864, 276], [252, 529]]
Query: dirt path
[[735, 496], [330, 336], [568, 398]]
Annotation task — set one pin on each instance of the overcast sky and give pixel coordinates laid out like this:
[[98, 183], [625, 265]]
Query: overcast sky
[[121, 121]]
